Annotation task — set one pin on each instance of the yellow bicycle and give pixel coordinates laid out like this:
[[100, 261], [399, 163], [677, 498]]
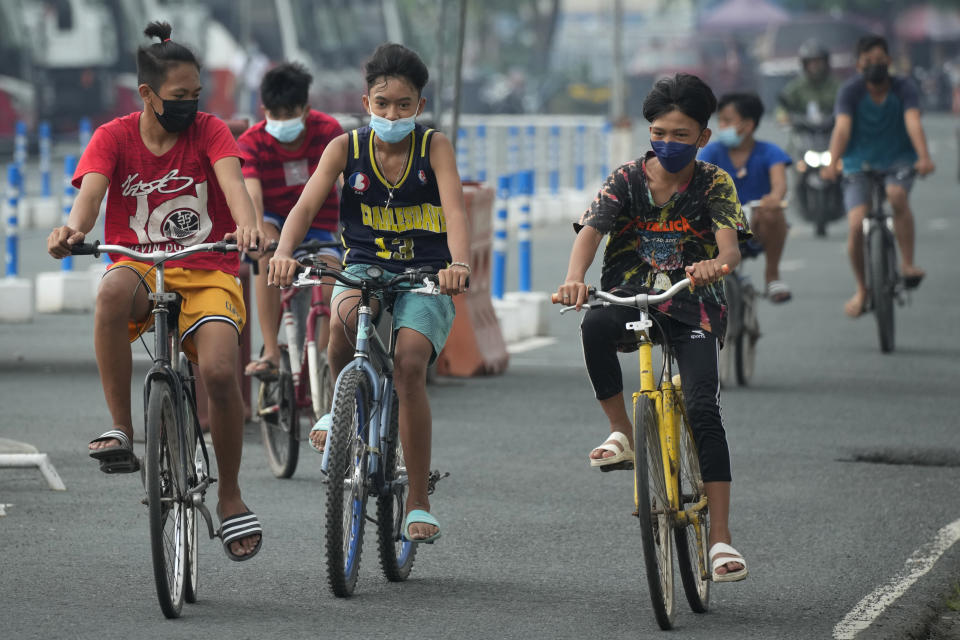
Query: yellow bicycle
[[667, 487]]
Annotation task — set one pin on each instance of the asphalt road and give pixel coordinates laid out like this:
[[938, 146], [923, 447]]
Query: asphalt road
[[535, 543]]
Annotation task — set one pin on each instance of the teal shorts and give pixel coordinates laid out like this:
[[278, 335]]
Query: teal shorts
[[429, 315]]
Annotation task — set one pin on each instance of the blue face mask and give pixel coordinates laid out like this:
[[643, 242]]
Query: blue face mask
[[674, 156], [391, 130], [285, 130], [728, 137]]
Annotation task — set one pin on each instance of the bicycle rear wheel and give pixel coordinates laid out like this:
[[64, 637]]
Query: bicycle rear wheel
[[396, 554], [347, 486], [746, 343], [727, 358], [196, 470], [692, 540], [279, 420], [650, 496], [166, 485], [882, 284]]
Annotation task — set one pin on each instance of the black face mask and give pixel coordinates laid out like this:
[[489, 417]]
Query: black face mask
[[177, 115], [876, 73]]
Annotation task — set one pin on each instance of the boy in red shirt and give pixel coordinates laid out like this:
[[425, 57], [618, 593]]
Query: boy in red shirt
[[175, 181], [279, 155]]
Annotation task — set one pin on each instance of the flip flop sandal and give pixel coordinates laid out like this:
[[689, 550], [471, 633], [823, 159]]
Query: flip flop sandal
[[263, 369], [912, 282], [778, 291], [323, 424], [716, 563], [237, 527], [622, 453], [118, 459], [419, 516]]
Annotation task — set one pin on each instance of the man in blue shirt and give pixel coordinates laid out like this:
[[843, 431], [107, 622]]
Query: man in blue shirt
[[759, 172], [877, 127]]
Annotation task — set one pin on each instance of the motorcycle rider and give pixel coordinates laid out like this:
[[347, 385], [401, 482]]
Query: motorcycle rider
[[814, 90]]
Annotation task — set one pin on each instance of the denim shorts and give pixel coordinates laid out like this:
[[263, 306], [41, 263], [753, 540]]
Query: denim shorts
[[321, 235], [429, 315], [856, 186]]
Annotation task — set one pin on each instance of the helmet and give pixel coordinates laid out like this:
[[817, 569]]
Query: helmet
[[812, 49]]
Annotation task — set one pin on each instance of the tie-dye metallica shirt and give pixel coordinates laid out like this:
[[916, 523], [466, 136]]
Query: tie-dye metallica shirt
[[650, 245]]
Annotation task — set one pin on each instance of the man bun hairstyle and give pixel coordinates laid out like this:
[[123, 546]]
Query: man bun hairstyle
[[682, 92], [870, 41], [748, 105], [155, 60], [286, 86], [396, 61]]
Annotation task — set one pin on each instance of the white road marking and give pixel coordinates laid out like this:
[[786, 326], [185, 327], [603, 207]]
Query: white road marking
[[530, 344], [939, 224], [922, 560], [793, 265], [3, 509]]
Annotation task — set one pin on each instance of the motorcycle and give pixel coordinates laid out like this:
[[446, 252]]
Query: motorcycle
[[820, 201]]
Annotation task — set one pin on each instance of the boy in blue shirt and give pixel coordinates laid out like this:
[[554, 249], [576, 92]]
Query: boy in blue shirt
[[759, 171]]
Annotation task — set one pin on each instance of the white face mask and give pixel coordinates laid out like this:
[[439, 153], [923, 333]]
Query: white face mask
[[392, 130], [285, 130]]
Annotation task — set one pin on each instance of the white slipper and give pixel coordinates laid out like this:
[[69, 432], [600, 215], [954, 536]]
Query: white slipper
[[622, 453], [716, 563]]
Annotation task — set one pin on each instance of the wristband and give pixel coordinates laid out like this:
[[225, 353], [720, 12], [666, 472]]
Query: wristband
[[462, 264]]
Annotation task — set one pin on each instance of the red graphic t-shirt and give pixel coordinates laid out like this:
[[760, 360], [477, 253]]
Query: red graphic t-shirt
[[283, 174], [165, 202]]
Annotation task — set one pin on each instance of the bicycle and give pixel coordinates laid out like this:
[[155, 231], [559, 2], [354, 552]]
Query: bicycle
[[302, 391], [175, 467], [363, 456], [667, 486], [739, 354], [885, 285]]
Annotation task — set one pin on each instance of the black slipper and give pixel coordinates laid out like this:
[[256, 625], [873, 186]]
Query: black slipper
[[237, 527], [119, 459], [912, 282]]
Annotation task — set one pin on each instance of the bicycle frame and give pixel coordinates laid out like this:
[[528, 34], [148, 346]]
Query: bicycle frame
[[305, 363]]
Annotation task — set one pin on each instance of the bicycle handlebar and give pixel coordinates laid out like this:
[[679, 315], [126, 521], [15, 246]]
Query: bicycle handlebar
[[95, 249], [310, 277]]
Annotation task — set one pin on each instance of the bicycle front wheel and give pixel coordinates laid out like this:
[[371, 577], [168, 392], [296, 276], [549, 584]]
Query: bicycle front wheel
[[650, 496], [165, 482], [882, 284], [746, 343], [727, 357], [347, 485], [692, 540], [196, 471], [396, 554], [279, 420]]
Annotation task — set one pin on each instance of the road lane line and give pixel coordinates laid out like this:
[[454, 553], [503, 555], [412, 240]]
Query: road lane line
[[939, 224], [530, 344], [922, 560]]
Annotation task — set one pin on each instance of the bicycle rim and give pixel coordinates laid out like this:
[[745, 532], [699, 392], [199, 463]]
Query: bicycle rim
[[652, 505], [165, 485], [347, 486], [396, 554], [746, 344], [727, 358], [279, 425], [881, 290], [692, 540], [196, 470]]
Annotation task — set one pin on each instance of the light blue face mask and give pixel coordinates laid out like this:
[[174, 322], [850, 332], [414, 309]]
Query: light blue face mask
[[392, 130], [728, 137], [285, 130]]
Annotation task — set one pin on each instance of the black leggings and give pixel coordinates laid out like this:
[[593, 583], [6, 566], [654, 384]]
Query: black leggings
[[602, 332]]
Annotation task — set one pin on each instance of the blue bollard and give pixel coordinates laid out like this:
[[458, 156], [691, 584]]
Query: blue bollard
[[531, 161], [463, 154], [13, 203], [480, 153], [43, 131], [499, 276], [20, 145], [69, 168], [86, 130], [513, 158], [554, 160], [605, 150], [523, 232], [579, 151]]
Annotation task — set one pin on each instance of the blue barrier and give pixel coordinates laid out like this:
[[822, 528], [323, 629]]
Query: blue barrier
[[480, 153], [463, 154], [554, 159], [43, 132], [86, 130], [605, 151], [579, 150], [69, 168], [13, 204], [20, 144], [499, 275], [524, 255], [530, 163]]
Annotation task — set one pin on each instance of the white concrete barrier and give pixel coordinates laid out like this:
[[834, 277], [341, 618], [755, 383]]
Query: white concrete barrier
[[59, 291], [16, 300]]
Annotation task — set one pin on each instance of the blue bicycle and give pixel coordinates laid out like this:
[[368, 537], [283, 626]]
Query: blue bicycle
[[363, 456]]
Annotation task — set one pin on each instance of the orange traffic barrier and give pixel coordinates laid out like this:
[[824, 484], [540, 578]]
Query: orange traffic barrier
[[475, 345]]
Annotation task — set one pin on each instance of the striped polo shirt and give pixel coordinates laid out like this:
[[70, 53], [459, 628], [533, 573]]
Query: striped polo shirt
[[283, 174]]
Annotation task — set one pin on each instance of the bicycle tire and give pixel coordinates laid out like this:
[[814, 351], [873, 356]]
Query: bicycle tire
[[196, 470], [347, 465], [279, 420], [650, 495], [165, 485], [692, 540], [746, 343], [326, 384], [881, 289], [396, 554], [727, 360]]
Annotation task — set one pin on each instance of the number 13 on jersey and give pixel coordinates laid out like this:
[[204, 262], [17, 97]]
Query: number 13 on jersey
[[402, 249]]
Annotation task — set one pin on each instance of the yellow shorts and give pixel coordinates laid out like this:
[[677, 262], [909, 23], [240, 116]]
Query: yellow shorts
[[208, 296]]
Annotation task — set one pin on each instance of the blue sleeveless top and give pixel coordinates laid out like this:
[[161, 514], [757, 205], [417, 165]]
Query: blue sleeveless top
[[410, 231]]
